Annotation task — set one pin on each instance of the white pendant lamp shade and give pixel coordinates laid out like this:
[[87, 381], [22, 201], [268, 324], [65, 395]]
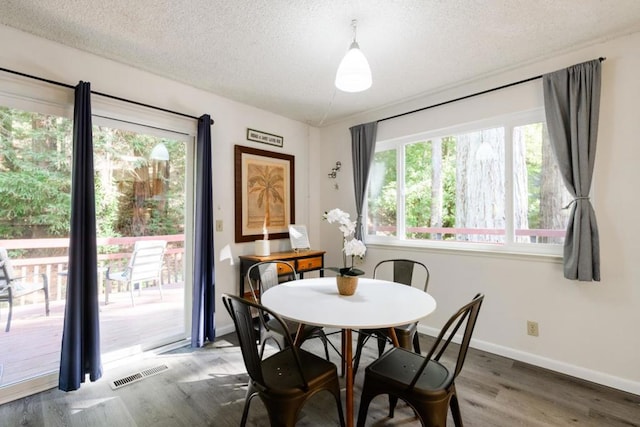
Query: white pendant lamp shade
[[354, 74]]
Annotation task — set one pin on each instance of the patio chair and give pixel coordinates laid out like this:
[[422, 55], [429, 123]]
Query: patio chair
[[145, 265], [12, 287]]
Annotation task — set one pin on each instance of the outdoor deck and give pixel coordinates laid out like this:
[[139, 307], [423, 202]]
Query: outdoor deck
[[32, 346]]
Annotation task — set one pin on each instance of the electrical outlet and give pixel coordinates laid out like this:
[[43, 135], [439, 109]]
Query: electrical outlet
[[218, 225], [532, 328]]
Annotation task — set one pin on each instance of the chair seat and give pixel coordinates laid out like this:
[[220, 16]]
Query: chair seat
[[117, 275], [19, 289], [281, 373], [399, 366], [292, 327], [407, 330]]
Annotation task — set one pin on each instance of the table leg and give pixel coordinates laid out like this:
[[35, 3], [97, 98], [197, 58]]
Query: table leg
[[342, 347], [349, 380], [394, 337], [298, 340]]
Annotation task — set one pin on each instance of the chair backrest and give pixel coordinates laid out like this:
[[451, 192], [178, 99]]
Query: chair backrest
[[266, 274], [467, 316], [241, 311], [402, 271], [146, 260], [6, 270]]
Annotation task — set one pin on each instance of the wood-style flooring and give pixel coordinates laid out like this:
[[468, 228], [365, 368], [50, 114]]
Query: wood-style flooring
[[206, 387]]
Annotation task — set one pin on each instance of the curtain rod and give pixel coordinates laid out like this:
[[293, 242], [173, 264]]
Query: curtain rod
[[117, 98], [468, 96]]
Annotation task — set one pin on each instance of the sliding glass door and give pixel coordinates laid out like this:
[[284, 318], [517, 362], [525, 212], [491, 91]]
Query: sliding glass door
[[142, 178]]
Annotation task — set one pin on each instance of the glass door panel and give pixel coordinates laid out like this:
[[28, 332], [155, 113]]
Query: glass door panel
[[35, 184], [140, 192], [140, 201]]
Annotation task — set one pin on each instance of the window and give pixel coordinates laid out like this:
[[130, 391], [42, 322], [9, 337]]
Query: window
[[492, 184]]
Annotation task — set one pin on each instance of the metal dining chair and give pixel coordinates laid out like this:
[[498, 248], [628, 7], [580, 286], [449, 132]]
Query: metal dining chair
[[400, 271], [285, 380], [263, 276], [427, 384]]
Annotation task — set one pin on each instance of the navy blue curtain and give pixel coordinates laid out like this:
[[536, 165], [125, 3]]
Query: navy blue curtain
[[80, 353], [203, 316]]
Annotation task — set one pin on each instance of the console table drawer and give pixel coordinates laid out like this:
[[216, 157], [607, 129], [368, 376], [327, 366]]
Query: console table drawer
[[303, 261], [309, 264], [285, 269]]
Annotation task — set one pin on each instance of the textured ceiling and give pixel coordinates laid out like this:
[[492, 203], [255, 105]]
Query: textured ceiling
[[282, 55]]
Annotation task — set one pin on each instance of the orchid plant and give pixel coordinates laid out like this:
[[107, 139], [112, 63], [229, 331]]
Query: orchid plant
[[351, 247]]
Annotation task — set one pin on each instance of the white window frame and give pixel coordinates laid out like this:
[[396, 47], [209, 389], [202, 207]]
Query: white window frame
[[508, 122]]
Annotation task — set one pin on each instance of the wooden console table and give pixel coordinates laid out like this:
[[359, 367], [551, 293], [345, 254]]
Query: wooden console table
[[303, 261]]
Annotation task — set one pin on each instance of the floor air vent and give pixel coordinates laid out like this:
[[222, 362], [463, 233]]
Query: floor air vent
[[138, 376]]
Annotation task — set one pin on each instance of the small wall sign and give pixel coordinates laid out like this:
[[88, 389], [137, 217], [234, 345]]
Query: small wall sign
[[264, 137]]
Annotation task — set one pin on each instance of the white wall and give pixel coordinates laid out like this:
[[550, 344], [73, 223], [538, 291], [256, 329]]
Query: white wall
[[28, 54], [587, 330]]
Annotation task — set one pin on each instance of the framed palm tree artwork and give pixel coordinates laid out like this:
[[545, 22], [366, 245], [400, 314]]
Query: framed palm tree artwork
[[264, 194]]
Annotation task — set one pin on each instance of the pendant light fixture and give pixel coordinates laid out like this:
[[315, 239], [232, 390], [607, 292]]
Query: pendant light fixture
[[354, 74]]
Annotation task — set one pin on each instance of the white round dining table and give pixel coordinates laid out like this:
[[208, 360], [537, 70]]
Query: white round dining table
[[375, 304]]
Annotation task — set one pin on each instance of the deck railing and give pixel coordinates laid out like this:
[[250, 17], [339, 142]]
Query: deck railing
[[113, 252], [532, 235]]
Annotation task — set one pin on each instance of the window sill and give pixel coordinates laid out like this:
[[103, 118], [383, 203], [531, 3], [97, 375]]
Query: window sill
[[547, 255]]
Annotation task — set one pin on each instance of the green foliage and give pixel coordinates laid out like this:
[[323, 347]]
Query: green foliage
[[34, 175], [533, 143], [418, 183], [35, 179], [382, 187]]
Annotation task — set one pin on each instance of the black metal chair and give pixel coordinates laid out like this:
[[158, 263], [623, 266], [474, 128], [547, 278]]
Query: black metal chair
[[425, 383], [261, 277], [12, 286], [401, 271], [285, 380]]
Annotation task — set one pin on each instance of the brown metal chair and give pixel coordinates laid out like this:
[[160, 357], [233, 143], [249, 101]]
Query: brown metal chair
[[263, 276], [401, 271], [425, 383], [286, 380], [12, 286]]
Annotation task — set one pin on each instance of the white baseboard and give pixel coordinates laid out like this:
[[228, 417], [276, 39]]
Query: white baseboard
[[220, 331], [551, 364], [27, 388]]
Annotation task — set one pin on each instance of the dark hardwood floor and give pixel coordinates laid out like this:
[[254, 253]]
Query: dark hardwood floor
[[206, 387]]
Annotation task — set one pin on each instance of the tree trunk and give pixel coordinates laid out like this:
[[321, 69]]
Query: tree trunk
[[436, 186], [520, 184], [480, 181], [552, 201]]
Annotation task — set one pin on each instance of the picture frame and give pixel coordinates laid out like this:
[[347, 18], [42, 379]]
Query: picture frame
[[264, 194], [299, 237], [264, 137]]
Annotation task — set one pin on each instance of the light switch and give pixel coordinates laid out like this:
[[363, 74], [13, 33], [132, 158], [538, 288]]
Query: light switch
[[218, 225]]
